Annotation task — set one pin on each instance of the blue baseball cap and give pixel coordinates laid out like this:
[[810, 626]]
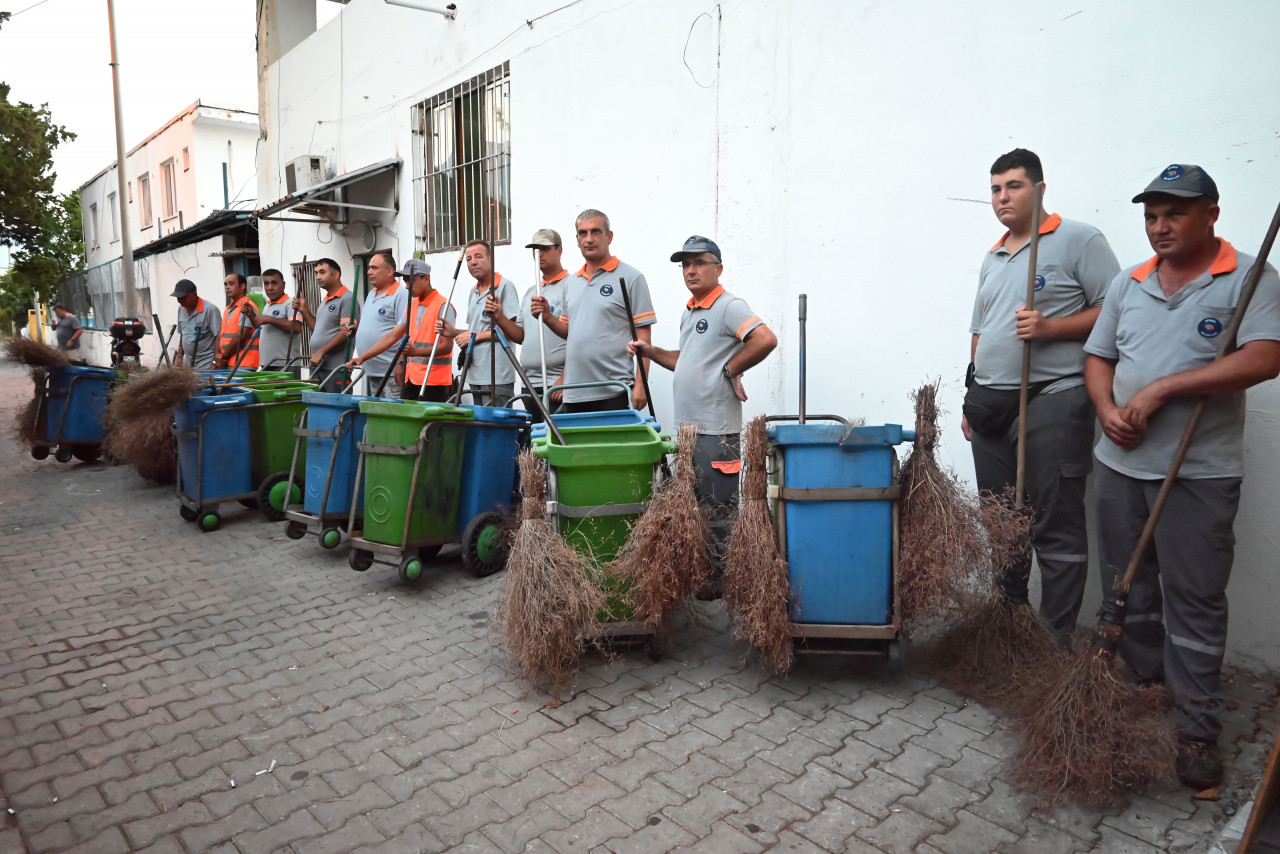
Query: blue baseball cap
[[1185, 180], [696, 245]]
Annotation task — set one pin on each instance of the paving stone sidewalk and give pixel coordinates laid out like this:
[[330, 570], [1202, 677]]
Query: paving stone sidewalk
[[165, 690]]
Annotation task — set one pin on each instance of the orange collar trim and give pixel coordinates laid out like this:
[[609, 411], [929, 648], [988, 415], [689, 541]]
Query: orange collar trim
[[283, 297], [342, 289], [708, 300], [608, 266], [1225, 262], [557, 277], [199, 307], [1049, 225], [389, 291], [497, 283]]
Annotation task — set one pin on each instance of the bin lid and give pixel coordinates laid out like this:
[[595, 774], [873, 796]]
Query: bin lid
[[335, 400], [612, 445], [848, 438], [84, 371], [210, 399], [498, 414], [415, 410]]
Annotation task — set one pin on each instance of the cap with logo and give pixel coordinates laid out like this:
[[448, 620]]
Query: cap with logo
[[183, 288], [414, 267], [544, 238], [1185, 180], [696, 245]]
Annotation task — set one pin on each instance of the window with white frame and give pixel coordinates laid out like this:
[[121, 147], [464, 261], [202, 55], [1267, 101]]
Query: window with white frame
[[186, 158], [91, 227], [115, 216], [144, 200], [168, 190], [462, 163]]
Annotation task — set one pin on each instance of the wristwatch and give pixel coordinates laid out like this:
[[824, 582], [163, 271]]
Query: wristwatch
[[725, 371]]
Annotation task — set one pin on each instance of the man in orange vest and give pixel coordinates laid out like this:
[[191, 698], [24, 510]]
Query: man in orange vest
[[237, 326], [427, 307]]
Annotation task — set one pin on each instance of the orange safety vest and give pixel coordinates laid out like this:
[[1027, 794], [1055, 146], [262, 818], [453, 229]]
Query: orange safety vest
[[230, 339], [422, 335]]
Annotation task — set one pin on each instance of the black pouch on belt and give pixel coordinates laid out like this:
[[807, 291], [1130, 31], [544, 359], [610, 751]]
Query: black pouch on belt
[[990, 411]]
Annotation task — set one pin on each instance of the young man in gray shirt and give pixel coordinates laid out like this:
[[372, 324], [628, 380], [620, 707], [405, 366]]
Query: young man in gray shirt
[[1151, 358], [278, 340], [1073, 267], [720, 339], [331, 325]]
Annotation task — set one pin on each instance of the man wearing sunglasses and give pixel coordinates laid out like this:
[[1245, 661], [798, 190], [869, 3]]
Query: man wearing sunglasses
[[720, 338]]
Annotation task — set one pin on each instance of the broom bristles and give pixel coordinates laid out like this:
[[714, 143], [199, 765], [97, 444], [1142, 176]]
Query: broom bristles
[[757, 582], [24, 351], [28, 426], [550, 601], [146, 443], [152, 393], [667, 554], [1090, 735]]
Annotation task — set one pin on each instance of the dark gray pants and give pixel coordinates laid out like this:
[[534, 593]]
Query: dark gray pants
[[717, 490], [1181, 584], [1059, 458]]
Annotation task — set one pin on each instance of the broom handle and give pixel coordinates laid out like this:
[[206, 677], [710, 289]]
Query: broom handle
[[542, 340], [804, 347], [1227, 344], [631, 320], [288, 350], [1023, 391]]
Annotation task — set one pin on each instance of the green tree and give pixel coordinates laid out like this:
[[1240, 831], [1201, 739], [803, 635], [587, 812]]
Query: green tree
[[59, 253]]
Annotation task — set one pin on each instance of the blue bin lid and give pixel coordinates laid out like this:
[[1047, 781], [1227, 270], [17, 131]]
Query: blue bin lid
[[84, 371], [336, 401], [497, 414], [849, 439], [206, 399]]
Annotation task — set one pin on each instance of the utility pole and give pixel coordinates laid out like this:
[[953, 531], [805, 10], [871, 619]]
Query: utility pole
[[132, 308]]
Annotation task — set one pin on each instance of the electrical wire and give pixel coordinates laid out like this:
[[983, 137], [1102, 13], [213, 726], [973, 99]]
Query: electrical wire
[[28, 9]]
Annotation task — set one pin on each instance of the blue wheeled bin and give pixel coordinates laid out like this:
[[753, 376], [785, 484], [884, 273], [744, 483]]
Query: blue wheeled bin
[[213, 458], [76, 398], [489, 486], [607, 418], [332, 427], [835, 493]]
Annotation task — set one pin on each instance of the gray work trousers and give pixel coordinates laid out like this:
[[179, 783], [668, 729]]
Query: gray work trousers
[[480, 394], [717, 490], [1181, 584], [1059, 458]]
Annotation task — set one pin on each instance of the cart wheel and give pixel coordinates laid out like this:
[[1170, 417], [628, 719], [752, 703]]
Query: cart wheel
[[360, 560], [210, 522], [893, 656], [330, 538], [62, 455], [295, 530], [87, 453], [273, 491], [187, 513], [39, 452], [411, 569], [484, 545], [428, 553], [654, 648]]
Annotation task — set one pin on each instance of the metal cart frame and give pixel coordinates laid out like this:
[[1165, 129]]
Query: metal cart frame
[[65, 450]]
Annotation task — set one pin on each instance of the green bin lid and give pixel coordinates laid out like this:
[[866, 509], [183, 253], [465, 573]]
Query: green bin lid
[[612, 445], [415, 410]]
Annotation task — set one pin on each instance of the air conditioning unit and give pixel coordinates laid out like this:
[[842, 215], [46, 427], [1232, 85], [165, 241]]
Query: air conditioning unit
[[303, 172]]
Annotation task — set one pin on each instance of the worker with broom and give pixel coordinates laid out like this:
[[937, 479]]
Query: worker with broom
[[331, 326], [384, 321], [236, 336], [1150, 359], [600, 297], [422, 381], [551, 348], [491, 379], [279, 322], [720, 339], [198, 323], [1073, 268]]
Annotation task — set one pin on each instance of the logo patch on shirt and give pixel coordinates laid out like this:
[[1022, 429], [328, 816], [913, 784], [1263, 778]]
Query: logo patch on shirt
[[333, 306], [1172, 173], [606, 290], [1210, 327], [701, 325], [1039, 282], [382, 312]]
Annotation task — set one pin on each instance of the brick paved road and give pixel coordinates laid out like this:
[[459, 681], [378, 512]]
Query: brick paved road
[[145, 666]]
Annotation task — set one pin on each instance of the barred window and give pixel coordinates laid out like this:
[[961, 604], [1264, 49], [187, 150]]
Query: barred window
[[305, 285], [462, 163]]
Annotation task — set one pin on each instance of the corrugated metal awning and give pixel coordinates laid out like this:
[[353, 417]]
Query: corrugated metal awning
[[314, 199]]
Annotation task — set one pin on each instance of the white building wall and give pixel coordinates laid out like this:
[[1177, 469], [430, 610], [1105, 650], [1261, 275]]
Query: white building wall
[[838, 149]]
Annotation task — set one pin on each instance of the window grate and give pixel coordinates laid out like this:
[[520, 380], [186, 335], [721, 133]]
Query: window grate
[[304, 284], [462, 163]]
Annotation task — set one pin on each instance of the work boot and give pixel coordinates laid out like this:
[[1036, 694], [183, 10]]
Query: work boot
[[1198, 764]]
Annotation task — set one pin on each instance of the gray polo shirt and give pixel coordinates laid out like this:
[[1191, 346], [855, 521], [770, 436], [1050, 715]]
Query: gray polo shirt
[[598, 328], [333, 312], [530, 350], [1150, 335], [199, 331], [478, 373], [66, 327], [273, 343], [381, 314], [1074, 263], [711, 332]]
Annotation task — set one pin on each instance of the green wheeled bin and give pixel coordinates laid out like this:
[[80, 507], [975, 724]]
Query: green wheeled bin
[[411, 458], [597, 486], [277, 408]]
